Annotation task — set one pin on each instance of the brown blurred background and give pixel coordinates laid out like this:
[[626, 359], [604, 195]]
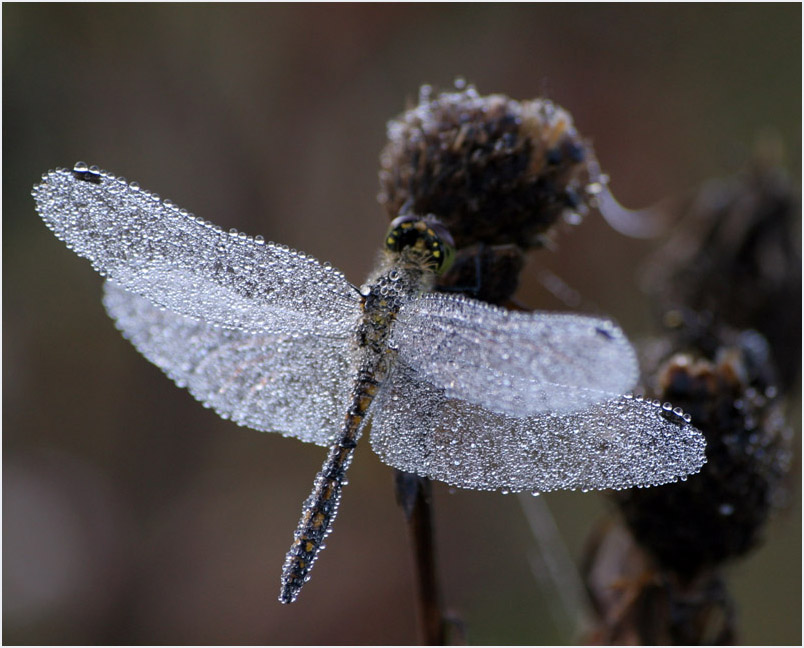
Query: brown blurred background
[[133, 515]]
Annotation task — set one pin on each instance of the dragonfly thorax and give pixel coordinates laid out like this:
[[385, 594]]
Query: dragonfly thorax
[[416, 249], [384, 296]]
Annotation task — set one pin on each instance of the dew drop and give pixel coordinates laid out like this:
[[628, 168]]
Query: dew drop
[[425, 93]]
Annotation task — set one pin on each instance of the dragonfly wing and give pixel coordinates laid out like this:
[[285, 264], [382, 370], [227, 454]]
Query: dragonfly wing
[[617, 443], [298, 386], [515, 363], [154, 249]]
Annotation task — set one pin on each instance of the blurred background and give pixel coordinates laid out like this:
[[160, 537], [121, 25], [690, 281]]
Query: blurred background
[[133, 515]]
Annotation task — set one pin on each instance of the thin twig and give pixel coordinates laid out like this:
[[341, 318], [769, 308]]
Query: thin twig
[[552, 564]]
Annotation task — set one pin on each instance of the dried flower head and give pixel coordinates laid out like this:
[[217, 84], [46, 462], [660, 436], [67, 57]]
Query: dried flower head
[[720, 513], [492, 169], [495, 171], [736, 257]]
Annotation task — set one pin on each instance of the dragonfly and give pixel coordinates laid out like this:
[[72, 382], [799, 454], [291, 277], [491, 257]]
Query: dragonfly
[[453, 389]]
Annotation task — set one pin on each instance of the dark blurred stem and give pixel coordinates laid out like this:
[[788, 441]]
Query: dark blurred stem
[[413, 495]]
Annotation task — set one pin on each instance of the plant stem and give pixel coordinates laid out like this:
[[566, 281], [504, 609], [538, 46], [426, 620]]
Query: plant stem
[[413, 494]]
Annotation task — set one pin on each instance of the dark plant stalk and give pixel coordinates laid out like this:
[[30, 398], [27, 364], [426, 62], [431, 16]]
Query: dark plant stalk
[[413, 494]]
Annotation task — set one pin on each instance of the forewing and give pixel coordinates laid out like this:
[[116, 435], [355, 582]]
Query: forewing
[[618, 443], [296, 385], [155, 250], [515, 363]]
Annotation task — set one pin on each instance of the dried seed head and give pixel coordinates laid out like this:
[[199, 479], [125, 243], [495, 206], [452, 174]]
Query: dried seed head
[[736, 257], [720, 513], [498, 173], [492, 169]]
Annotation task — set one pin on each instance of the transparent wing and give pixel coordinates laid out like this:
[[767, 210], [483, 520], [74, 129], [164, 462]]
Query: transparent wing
[[154, 249], [617, 443], [298, 386], [515, 363]]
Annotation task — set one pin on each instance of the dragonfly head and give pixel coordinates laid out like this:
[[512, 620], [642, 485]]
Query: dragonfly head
[[422, 239]]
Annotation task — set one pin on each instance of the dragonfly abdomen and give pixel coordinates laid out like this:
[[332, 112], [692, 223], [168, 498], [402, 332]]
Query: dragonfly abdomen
[[380, 306], [321, 506]]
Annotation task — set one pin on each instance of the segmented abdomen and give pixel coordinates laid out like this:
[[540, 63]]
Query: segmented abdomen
[[321, 506]]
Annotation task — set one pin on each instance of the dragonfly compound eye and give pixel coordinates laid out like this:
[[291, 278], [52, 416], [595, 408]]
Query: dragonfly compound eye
[[425, 237]]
